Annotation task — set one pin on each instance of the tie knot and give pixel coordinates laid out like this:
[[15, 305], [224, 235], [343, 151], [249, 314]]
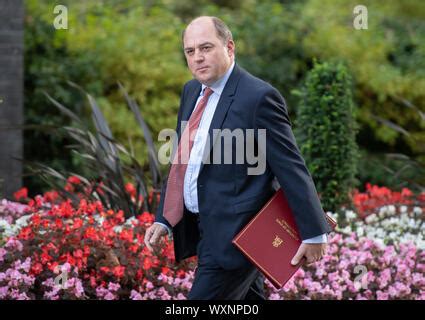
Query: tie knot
[[207, 92]]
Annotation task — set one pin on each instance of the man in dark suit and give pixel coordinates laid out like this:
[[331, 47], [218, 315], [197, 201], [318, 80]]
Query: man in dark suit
[[207, 201]]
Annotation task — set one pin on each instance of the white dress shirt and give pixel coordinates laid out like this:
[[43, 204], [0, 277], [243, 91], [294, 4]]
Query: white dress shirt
[[190, 191]]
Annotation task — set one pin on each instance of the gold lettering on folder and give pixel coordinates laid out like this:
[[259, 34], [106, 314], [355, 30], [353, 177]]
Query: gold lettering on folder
[[277, 242], [287, 228]]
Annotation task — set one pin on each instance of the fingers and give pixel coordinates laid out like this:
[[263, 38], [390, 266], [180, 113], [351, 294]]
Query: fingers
[[148, 235], [298, 256], [153, 234], [311, 252], [312, 259]]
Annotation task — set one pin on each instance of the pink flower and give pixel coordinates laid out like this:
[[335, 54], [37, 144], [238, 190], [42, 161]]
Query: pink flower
[[135, 295], [114, 286], [109, 296], [181, 296], [392, 291], [149, 285], [14, 244], [3, 252], [381, 295], [3, 292], [274, 296]]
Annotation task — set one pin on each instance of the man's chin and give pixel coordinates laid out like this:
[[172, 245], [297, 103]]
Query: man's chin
[[204, 80]]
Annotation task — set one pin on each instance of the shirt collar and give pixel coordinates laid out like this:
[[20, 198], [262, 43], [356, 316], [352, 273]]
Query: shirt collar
[[218, 86]]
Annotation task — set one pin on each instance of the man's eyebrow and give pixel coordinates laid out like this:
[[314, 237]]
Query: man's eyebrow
[[201, 45]]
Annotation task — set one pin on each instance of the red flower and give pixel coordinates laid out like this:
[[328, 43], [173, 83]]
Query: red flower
[[25, 234], [118, 271], [406, 192], [126, 235], [59, 223], [74, 180], [104, 269], [147, 263], [35, 219], [45, 258], [120, 217], [93, 281], [181, 274], [166, 270], [146, 218], [51, 246], [91, 234], [86, 251], [129, 187], [45, 223], [69, 187], [36, 268], [133, 248], [78, 223], [78, 253], [139, 275], [51, 196], [21, 193], [52, 265]]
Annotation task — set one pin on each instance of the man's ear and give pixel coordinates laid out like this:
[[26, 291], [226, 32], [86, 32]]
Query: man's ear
[[230, 47]]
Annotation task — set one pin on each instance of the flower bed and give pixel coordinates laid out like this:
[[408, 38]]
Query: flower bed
[[52, 250], [102, 255], [359, 268]]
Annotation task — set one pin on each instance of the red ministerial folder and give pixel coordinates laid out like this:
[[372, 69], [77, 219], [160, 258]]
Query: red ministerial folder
[[271, 239]]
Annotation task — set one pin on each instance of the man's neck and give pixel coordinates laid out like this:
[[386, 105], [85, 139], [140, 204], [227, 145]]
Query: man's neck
[[226, 74]]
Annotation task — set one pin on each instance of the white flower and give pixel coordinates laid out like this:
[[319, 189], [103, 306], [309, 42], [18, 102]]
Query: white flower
[[380, 242], [350, 215], [371, 218], [420, 244], [417, 211], [403, 209], [117, 229], [346, 230], [412, 223], [382, 211], [98, 218], [23, 221], [130, 221]]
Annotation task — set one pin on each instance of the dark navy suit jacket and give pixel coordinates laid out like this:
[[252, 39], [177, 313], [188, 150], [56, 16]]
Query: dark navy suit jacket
[[227, 196]]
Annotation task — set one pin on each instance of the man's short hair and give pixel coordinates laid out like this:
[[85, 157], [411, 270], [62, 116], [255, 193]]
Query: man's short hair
[[222, 30]]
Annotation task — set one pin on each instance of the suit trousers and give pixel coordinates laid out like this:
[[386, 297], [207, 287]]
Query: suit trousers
[[212, 282]]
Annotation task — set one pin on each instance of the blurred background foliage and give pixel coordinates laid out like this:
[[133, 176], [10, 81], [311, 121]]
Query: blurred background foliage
[[138, 43]]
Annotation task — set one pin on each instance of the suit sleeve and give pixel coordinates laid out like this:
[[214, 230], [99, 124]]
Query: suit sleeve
[[286, 162], [158, 216]]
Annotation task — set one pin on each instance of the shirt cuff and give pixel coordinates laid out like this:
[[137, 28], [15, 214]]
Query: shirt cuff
[[323, 238], [170, 233]]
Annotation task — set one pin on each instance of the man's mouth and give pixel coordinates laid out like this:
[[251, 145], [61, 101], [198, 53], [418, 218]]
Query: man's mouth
[[202, 69]]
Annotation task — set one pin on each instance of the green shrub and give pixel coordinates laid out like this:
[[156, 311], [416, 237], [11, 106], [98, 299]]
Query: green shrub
[[326, 130]]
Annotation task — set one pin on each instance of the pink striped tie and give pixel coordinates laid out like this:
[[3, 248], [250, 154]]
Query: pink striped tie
[[174, 202]]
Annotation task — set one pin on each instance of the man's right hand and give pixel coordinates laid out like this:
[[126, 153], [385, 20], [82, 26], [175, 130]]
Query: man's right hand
[[153, 235]]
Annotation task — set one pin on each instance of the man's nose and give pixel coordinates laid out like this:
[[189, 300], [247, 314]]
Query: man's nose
[[199, 57]]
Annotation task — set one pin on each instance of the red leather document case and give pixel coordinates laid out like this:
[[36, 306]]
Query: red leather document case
[[271, 239]]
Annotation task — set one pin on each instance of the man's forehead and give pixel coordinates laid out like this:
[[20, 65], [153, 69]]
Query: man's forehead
[[199, 29]]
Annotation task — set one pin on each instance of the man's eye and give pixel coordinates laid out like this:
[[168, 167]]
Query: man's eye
[[189, 51], [206, 48]]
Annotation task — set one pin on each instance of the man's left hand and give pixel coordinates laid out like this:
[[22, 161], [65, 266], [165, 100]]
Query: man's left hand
[[313, 252]]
